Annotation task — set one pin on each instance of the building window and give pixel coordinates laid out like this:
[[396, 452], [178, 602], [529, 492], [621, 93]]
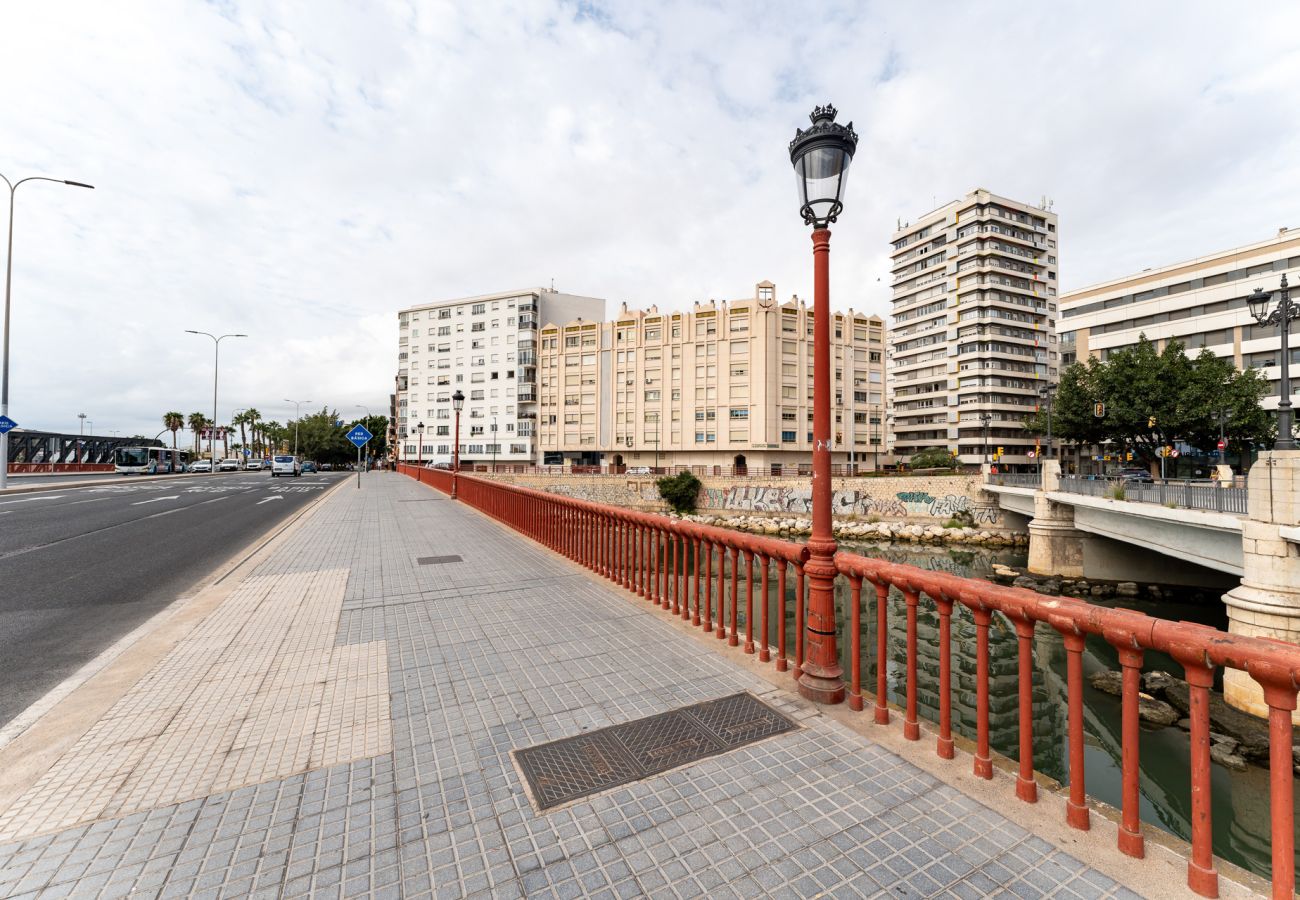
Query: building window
[[787, 437]]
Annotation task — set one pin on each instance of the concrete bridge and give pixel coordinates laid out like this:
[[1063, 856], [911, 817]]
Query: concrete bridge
[[1253, 554]]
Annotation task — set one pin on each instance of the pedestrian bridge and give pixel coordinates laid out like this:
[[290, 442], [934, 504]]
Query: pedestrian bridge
[[1140, 537]]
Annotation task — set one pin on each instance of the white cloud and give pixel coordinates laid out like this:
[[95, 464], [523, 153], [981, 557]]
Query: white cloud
[[299, 171]]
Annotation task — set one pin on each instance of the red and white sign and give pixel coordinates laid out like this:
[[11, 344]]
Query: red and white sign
[[1221, 444], [1173, 452]]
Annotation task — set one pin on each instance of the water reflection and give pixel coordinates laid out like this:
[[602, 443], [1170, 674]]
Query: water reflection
[[1240, 799]]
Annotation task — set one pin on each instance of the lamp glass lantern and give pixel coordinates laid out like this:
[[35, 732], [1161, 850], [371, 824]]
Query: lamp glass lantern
[[1258, 303], [821, 157], [457, 400]]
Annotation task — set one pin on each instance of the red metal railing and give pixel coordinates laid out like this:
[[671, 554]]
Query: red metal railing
[[800, 470], [669, 562]]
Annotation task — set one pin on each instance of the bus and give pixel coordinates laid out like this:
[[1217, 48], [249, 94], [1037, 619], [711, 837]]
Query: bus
[[149, 460]]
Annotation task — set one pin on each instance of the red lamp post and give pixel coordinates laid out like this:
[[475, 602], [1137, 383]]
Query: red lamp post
[[419, 447], [821, 157], [457, 404]]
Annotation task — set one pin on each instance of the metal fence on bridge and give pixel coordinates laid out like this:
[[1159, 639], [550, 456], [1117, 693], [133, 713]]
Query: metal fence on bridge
[[1213, 496]]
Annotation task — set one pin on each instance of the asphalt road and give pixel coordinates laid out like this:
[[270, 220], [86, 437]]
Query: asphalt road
[[17, 481], [83, 566]]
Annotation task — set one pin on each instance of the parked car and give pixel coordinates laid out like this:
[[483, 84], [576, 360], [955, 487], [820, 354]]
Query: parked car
[[254, 465], [308, 467], [1134, 474], [285, 465], [201, 465], [325, 467], [228, 465]]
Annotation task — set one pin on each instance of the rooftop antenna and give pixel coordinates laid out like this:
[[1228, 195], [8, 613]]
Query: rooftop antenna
[[552, 284]]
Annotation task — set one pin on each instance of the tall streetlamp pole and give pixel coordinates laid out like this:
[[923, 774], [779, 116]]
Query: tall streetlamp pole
[[419, 448], [985, 419], [216, 362], [494, 445], [1223, 444], [1281, 315], [1045, 392], [821, 157], [80, 449], [457, 404], [9, 274], [297, 414]]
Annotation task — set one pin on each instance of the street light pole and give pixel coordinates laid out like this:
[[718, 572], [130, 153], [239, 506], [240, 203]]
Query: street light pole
[[821, 157], [985, 419], [297, 414], [419, 448], [494, 445], [1280, 316], [1223, 444], [216, 362], [9, 273], [457, 404]]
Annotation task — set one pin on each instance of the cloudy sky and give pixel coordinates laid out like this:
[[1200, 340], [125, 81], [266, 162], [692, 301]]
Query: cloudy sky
[[301, 170]]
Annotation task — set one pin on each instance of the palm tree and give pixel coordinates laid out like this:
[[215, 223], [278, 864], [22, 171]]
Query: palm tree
[[254, 418], [197, 422], [173, 422], [241, 419], [271, 430]]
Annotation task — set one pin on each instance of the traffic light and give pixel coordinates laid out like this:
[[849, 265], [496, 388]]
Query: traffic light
[[1000, 451]]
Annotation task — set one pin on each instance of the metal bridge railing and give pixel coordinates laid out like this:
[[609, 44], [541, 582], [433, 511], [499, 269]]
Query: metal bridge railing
[[706, 575], [1212, 496]]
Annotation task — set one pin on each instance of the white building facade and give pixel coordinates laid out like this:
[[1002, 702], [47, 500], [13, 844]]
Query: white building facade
[[1200, 302], [485, 347], [972, 334]]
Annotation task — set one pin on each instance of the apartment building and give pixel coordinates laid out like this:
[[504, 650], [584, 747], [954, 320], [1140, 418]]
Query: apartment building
[[1201, 302], [486, 347], [972, 327], [724, 384]]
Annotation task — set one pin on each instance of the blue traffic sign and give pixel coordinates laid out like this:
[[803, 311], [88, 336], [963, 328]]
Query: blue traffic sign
[[7, 424], [360, 436]]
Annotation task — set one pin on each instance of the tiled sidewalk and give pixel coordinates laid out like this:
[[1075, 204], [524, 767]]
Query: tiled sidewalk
[[508, 648]]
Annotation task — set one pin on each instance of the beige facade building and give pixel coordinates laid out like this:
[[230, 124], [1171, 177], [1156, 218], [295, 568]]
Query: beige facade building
[[725, 384], [972, 327], [485, 347], [1201, 302]]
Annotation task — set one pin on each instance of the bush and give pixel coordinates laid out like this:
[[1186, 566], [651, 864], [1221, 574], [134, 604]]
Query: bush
[[1117, 492], [932, 458], [680, 492]]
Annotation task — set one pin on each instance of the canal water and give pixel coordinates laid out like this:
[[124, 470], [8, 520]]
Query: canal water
[[1240, 799]]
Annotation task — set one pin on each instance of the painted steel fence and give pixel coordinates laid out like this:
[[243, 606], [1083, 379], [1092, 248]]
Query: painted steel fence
[[1209, 495], [671, 564]]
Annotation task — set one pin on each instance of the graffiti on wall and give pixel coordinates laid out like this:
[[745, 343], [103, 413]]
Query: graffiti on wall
[[920, 503], [798, 500]]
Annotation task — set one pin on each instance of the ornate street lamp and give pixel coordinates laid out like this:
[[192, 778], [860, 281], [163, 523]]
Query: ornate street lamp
[[821, 157], [419, 447], [457, 404], [1046, 393], [1281, 315]]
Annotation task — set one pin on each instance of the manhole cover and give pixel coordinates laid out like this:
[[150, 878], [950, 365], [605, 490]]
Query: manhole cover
[[575, 767], [437, 560]]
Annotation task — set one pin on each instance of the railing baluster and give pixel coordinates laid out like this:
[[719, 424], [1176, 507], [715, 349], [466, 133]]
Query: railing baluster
[[944, 746], [983, 764], [679, 570], [722, 592], [749, 601], [855, 642], [1076, 808], [1201, 876], [911, 728], [763, 654], [882, 653], [1130, 830], [1026, 787], [798, 621], [781, 664], [695, 578], [1280, 695], [732, 638], [708, 585]]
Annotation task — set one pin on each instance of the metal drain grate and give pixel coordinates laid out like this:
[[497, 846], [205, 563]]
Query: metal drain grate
[[575, 767], [436, 560]]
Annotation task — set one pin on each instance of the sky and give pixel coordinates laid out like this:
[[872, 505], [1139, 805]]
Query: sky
[[299, 171]]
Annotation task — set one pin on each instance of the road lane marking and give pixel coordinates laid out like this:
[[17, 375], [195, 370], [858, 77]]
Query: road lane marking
[[95, 500], [267, 500], [156, 499], [32, 499]]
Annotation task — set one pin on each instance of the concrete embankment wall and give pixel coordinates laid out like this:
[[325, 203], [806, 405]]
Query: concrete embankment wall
[[924, 500]]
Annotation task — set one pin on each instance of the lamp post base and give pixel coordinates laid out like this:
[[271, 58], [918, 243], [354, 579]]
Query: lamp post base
[[821, 690]]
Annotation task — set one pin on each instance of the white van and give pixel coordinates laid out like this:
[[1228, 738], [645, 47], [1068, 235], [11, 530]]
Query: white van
[[285, 465]]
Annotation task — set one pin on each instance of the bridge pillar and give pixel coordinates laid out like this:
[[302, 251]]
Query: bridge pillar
[[1267, 603], [1055, 545]]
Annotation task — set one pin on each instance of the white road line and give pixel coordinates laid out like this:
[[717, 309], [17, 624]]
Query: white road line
[[156, 499], [32, 499], [95, 500], [267, 500]]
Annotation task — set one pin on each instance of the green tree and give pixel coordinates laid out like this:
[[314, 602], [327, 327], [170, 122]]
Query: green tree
[[931, 458], [254, 424], [680, 491], [241, 419], [197, 422], [1156, 398], [321, 440], [377, 426], [173, 422]]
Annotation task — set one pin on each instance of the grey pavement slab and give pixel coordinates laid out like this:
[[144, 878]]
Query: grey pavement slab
[[513, 647]]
